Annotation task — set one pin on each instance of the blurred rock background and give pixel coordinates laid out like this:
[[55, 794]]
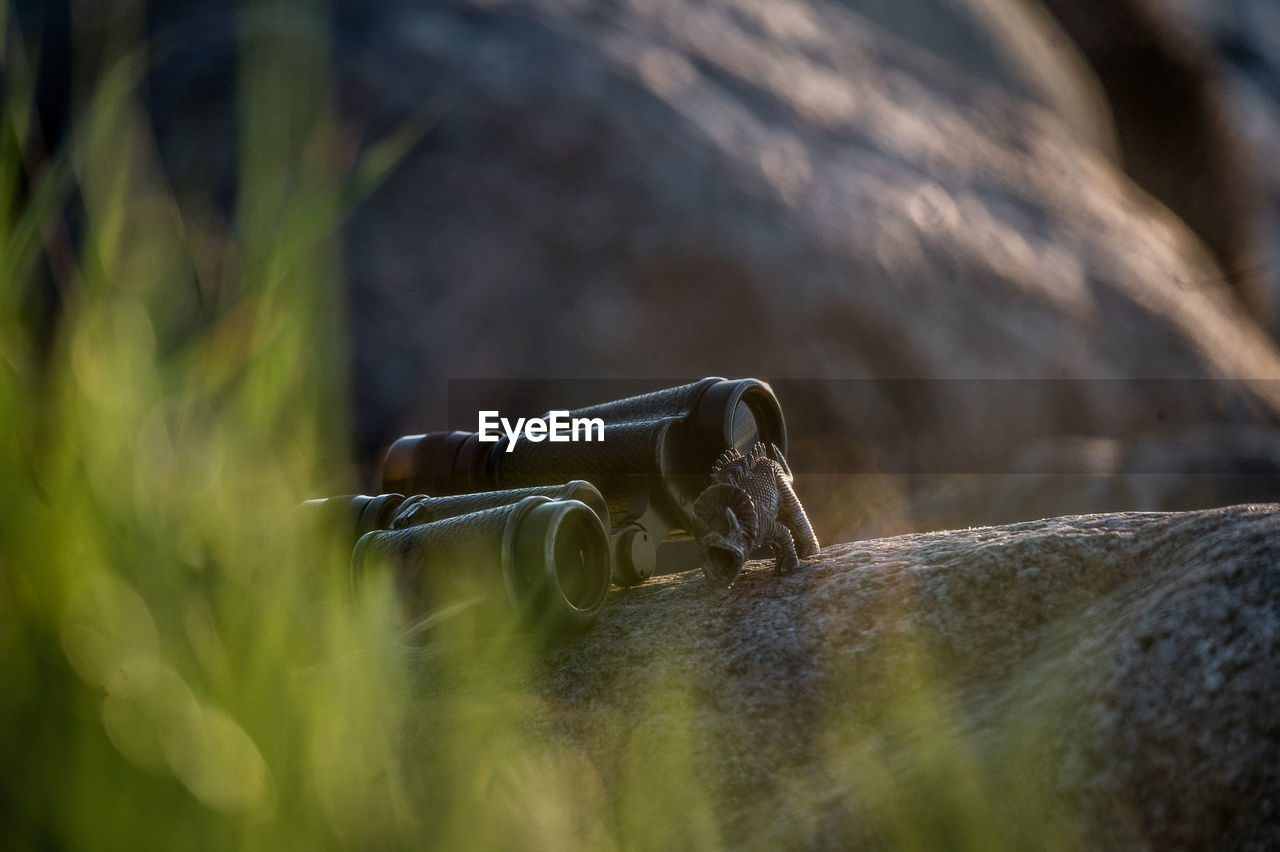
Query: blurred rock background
[[1242, 40], [839, 197]]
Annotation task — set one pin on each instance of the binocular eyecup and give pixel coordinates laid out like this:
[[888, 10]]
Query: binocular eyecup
[[654, 458]]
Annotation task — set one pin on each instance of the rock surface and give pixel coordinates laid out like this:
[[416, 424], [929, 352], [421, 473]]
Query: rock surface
[[1106, 681]]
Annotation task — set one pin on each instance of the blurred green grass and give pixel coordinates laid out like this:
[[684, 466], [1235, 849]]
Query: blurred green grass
[[182, 667], [173, 648]]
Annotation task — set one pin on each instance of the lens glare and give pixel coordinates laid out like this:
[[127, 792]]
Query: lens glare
[[745, 429]]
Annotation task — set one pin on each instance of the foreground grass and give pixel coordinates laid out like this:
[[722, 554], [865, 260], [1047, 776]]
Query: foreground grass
[[181, 667]]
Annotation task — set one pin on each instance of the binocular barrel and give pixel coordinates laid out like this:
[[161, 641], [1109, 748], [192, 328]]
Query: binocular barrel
[[546, 559], [352, 515], [424, 509], [655, 456]]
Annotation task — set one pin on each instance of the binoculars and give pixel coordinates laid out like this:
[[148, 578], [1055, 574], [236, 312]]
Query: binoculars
[[653, 458], [517, 522], [542, 553]]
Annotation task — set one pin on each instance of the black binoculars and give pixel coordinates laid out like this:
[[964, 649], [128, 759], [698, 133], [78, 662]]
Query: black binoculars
[[540, 553], [653, 457]]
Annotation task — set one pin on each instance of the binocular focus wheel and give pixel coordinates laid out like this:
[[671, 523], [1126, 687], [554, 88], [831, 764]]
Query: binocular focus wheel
[[635, 557]]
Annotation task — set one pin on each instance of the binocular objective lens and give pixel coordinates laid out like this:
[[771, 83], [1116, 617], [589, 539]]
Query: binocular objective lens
[[579, 551]]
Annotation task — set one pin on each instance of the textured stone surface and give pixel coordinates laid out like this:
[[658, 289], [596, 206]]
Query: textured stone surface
[[1109, 678]]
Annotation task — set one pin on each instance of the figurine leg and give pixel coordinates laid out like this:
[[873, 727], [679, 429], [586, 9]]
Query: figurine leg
[[784, 550]]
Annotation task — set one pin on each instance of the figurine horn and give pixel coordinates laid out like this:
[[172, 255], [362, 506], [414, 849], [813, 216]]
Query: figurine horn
[[735, 527]]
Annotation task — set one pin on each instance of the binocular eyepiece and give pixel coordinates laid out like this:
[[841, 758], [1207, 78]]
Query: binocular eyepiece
[[540, 553], [654, 458]]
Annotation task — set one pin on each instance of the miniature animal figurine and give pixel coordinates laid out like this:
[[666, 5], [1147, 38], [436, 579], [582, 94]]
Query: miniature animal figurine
[[750, 503]]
